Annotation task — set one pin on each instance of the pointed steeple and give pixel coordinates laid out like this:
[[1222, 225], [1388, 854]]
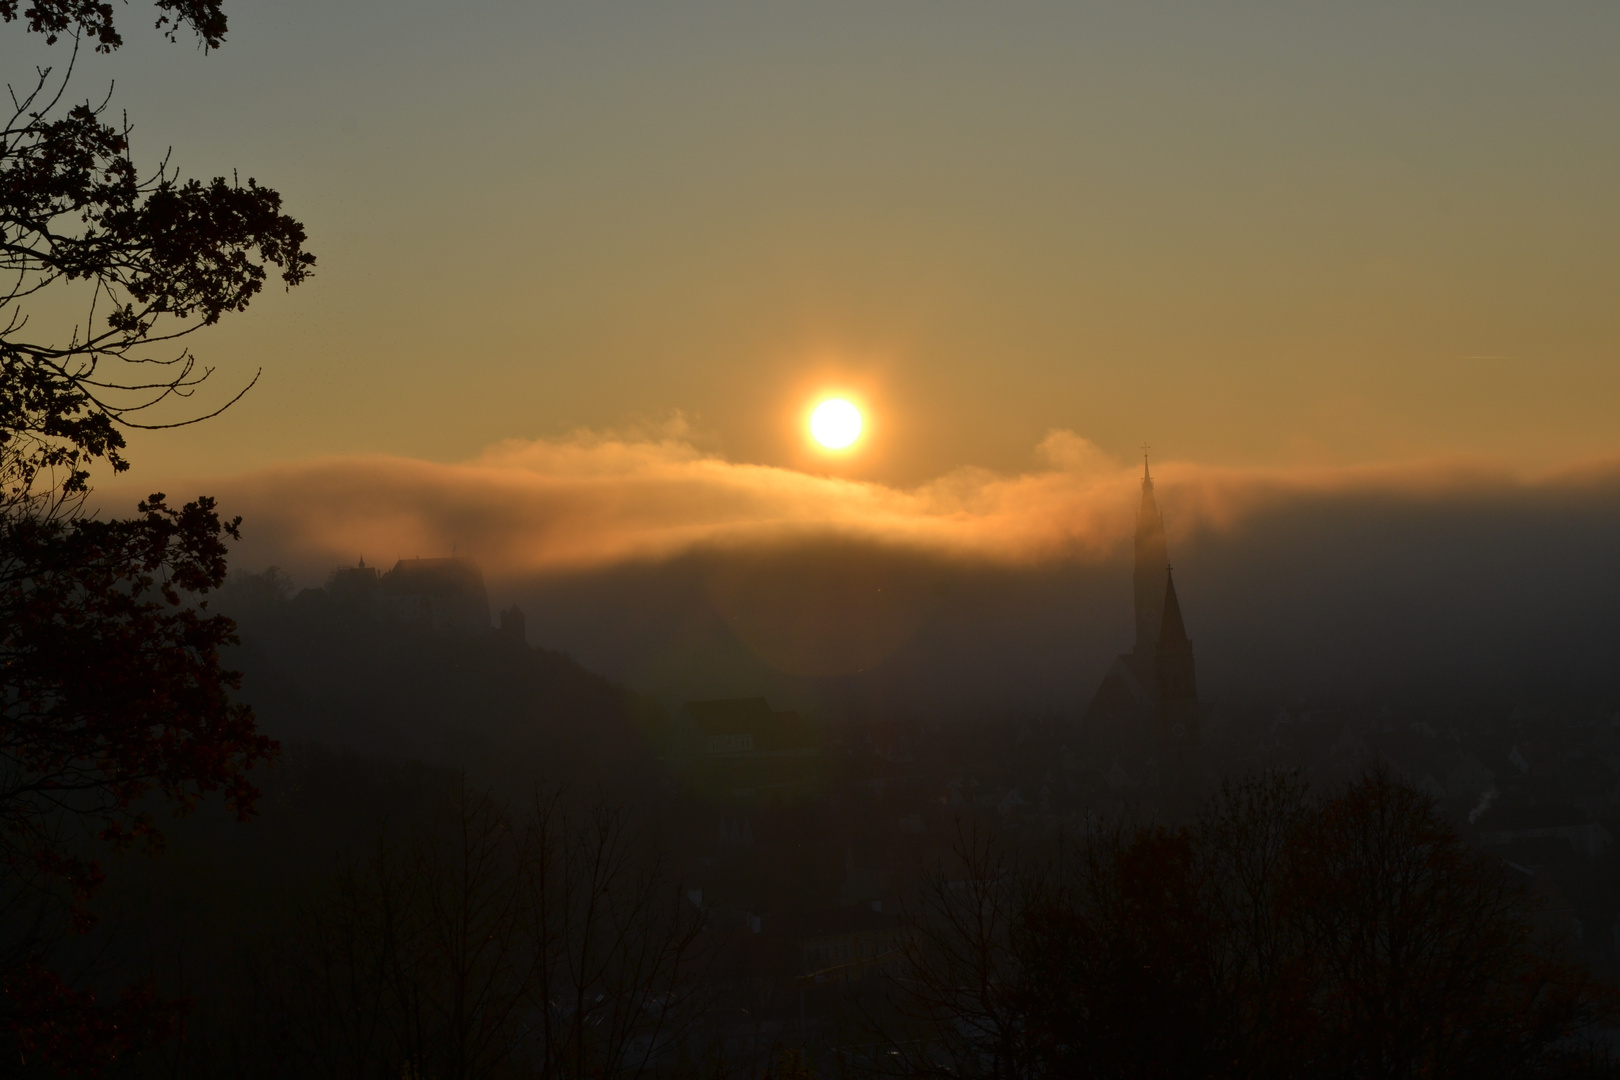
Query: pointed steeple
[[1151, 558], [1149, 698]]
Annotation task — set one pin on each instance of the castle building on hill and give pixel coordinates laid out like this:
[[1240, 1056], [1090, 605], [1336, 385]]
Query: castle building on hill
[[446, 596], [1147, 703]]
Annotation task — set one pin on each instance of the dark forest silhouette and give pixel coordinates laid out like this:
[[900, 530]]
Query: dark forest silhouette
[[1282, 933], [114, 703], [837, 924]]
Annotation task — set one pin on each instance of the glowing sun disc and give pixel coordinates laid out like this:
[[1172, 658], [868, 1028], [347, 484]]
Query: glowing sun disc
[[835, 424]]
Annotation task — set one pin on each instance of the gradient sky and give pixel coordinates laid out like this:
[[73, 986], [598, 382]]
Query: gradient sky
[[1250, 234]]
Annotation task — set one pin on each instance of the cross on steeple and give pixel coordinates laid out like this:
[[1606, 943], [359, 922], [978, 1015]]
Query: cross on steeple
[[1145, 449]]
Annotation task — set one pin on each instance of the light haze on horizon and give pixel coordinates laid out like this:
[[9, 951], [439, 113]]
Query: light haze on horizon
[[1254, 234]]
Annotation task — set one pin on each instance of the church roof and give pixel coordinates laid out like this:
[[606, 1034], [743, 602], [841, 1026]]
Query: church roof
[[1171, 627]]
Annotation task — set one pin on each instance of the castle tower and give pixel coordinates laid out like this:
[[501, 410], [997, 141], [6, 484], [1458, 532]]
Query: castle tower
[[1152, 558]]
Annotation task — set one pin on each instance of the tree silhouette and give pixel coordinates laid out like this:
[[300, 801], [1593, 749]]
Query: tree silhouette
[[111, 686], [487, 944], [1283, 934], [56, 17]]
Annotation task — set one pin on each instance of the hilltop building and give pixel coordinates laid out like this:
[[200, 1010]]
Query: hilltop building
[[1147, 704], [446, 596]]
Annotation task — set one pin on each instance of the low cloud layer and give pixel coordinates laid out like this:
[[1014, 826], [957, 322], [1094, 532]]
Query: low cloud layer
[[588, 502], [527, 508], [691, 576]]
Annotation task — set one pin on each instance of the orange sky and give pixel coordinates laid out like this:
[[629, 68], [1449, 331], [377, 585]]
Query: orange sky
[[1261, 235]]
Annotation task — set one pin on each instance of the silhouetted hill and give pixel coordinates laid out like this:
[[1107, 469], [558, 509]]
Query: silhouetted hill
[[325, 666]]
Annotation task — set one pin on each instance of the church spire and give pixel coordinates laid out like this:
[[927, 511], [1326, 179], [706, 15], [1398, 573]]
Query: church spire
[[1152, 557]]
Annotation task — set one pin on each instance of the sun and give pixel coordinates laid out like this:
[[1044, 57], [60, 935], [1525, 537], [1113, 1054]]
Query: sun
[[835, 424]]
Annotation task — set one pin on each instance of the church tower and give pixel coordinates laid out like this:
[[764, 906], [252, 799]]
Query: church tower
[[1176, 682], [1146, 708], [1152, 559]]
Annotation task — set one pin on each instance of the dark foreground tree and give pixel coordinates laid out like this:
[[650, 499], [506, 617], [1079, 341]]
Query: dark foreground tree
[[111, 687], [1280, 936], [1425, 960], [960, 1009], [95, 20], [481, 944]]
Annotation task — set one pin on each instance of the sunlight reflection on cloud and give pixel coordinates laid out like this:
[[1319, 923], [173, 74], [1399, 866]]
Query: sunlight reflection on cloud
[[594, 500]]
